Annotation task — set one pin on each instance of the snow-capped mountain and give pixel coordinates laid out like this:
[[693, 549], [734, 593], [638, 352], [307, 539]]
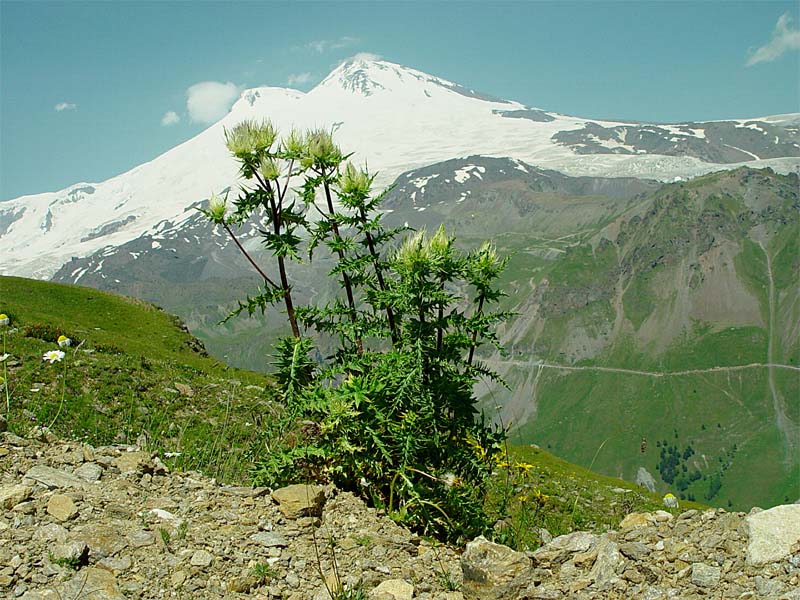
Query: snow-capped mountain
[[398, 119]]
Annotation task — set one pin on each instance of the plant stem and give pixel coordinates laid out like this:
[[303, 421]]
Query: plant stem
[[247, 256], [276, 226], [475, 332], [63, 394], [348, 286], [379, 273]]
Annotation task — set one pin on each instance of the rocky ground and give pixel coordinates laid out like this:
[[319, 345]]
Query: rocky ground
[[108, 523]]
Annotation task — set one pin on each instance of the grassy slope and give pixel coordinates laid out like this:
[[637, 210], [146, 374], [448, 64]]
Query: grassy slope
[[120, 383], [122, 375]]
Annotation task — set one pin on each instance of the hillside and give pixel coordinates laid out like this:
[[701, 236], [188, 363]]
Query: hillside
[[678, 323], [153, 387], [133, 372]]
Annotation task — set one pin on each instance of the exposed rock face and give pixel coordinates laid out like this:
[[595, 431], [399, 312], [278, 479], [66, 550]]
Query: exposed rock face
[[135, 530]]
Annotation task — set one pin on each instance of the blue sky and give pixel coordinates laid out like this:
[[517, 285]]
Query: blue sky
[[91, 89]]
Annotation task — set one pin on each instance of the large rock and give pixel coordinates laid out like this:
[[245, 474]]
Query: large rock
[[772, 534], [493, 571], [54, 478], [300, 500]]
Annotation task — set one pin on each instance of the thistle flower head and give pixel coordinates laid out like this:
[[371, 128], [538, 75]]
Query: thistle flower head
[[440, 244], [53, 356], [355, 181], [269, 168], [413, 251], [320, 150], [217, 208], [250, 136], [4, 320], [63, 341], [294, 144]]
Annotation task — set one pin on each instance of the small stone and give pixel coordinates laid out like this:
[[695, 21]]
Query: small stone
[[11, 495], [140, 539], [634, 550], [269, 539], [393, 589], [184, 390], [89, 472], [242, 584], [133, 462], [62, 507], [634, 521], [178, 578], [75, 551], [493, 571], [201, 558], [704, 575]]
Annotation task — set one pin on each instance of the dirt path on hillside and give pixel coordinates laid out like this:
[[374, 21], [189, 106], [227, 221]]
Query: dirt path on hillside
[[785, 425], [536, 363]]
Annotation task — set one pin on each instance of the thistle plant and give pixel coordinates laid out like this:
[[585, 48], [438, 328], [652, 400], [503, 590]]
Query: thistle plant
[[391, 414]]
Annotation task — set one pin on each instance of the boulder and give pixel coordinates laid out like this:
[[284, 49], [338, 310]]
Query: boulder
[[772, 533]]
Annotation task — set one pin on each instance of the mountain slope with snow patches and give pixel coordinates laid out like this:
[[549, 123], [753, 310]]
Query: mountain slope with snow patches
[[398, 119]]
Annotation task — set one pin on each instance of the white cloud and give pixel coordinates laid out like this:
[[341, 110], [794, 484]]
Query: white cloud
[[299, 78], [209, 101], [322, 46], [62, 106], [784, 39], [170, 118]]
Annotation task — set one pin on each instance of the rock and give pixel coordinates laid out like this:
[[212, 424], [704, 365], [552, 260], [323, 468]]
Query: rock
[[54, 478], [492, 570], [201, 558], [635, 520], [704, 575], [670, 501], [772, 533], [644, 479], [89, 471], [103, 540], [269, 539], [300, 500], [635, 550], [184, 390], [393, 589], [11, 495], [608, 564], [92, 584], [133, 462], [62, 507], [75, 552]]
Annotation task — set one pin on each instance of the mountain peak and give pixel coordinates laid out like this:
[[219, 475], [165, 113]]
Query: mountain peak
[[365, 74]]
